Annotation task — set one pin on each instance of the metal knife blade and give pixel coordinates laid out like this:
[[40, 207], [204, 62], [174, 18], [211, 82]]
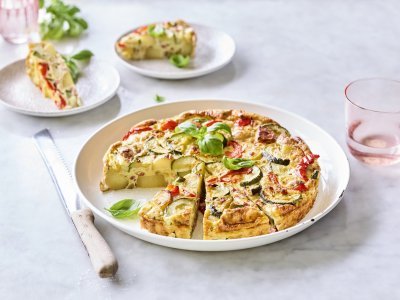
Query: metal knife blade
[[100, 253], [58, 170]]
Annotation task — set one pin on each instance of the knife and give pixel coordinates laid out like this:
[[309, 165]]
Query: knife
[[101, 256]]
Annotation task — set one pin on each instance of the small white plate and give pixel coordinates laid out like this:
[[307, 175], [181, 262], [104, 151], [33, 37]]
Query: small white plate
[[97, 84], [88, 170], [214, 50]]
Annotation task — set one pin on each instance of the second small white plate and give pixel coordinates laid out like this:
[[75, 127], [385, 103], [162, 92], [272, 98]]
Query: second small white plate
[[214, 50], [97, 84]]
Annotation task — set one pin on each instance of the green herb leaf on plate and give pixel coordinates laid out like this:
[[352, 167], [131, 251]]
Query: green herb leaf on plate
[[179, 60], [71, 61], [237, 163], [83, 55], [159, 98], [123, 209]]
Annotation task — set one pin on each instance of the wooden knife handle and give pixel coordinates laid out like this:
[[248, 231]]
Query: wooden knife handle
[[103, 260]]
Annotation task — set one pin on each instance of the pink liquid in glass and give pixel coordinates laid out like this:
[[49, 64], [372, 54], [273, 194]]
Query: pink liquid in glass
[[18, 20], [373, 121]]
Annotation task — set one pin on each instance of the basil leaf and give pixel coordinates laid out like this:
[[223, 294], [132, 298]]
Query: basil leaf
[[211, 145], [83, 55], [54, 29], [237, 163], [72, 10], [81, 22], [159, 98], [219, 126], [122, 209], [122, 204], [61, 21], [74, 70], [179, 60], [156, 30], [188, 128], [71, 64], [74, 28]]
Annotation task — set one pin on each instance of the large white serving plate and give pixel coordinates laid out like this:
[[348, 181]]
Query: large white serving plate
[[96, 85], [88, 170], [214, 50]]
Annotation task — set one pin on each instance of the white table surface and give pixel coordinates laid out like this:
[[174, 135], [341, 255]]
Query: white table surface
[[297, 55]]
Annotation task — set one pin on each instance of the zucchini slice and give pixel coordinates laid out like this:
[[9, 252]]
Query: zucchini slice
[[276, 128], [154, 146], [179, 141], [178, 206], [183, 164], [275, 160], [219, 191], [284, 199], [252, 178], [255, 189]]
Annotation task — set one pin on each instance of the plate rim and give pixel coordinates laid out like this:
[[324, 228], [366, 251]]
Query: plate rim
[[68, 112], [198, 245], [177, 76]]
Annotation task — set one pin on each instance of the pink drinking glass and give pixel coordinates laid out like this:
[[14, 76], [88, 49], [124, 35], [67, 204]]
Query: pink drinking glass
[[373, 120], [18, 20]]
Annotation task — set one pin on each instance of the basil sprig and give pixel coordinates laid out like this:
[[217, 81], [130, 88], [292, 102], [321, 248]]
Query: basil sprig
[[179, 60], [61, 20], [209, 139], [71, 61], [237, 163], [123, 209]]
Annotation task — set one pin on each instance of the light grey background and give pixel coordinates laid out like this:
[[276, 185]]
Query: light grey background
[[297, 55]]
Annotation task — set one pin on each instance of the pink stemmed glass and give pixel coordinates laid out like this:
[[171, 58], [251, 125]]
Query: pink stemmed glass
[[373, 120], [18, 20]]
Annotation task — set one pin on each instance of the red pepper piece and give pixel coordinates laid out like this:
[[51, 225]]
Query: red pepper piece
[[62, 103], [273, 178], [169, 125], [301, 187], [136, 130], [243, 121], [50, 85], [140, 29], [237, 150], [301, 169], [173, 189], [44, 68]]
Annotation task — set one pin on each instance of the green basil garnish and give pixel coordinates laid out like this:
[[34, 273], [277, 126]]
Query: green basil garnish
[[237, 163], [179, 60], [60, 20], [71, 62], [123, 209], [209, 139]]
